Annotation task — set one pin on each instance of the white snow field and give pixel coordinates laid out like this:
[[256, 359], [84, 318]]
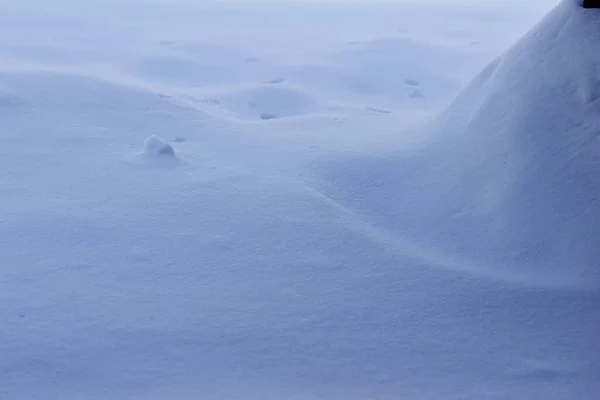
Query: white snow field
[[299, 200]]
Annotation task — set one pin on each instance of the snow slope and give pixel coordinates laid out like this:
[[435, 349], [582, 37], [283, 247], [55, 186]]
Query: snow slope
[[197, 204], [511, 177], [538, 167]]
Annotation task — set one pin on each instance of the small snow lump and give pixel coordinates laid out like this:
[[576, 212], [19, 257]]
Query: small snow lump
[[156, 146]]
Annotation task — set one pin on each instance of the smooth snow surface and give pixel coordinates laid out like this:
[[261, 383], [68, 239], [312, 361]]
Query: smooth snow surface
[[221, 200]]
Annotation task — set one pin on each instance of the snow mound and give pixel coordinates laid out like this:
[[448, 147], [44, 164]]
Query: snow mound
[[508, 176], [156, 146], [526, 135]]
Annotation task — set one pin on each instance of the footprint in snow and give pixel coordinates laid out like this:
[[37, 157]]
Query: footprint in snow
[[411, 82], [252, 59], [416, 95], [273, 81], [266, 116], [212, 102]]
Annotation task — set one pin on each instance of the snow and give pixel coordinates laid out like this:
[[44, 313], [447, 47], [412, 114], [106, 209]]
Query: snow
[[517, 171], [545, 150], [209, 200], [156, 146]]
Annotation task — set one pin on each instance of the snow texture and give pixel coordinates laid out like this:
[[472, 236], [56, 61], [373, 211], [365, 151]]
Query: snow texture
[[348, 213]]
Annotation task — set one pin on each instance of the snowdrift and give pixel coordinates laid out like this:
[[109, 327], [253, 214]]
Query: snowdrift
[[525, 136], [511, 177]]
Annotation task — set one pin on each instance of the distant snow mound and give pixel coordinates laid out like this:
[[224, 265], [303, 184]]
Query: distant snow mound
[[156, 146]]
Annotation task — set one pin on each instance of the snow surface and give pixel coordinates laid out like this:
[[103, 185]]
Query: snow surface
[[220, 200]]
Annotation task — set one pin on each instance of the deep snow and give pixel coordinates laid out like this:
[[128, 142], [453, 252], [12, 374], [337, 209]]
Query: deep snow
[[510, 176], [333, 221]]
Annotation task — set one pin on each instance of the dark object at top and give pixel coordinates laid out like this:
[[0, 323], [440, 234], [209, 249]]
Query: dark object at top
[[589, 3]]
